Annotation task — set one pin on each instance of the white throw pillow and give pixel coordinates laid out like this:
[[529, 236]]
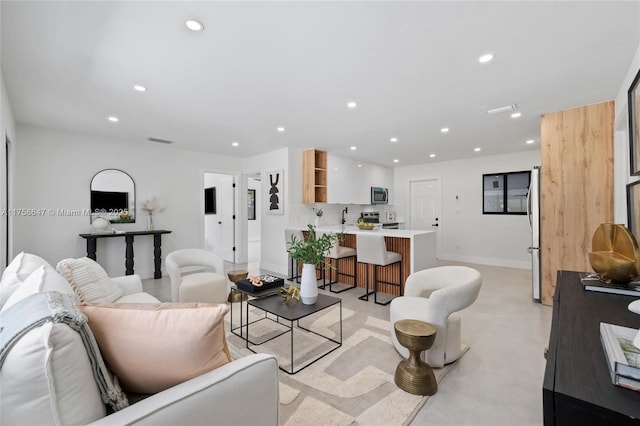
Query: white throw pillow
[[89, 281], [47, 379], [16, 272], [43, 279]]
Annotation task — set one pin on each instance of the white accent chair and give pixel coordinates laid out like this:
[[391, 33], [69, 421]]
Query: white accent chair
[[372, 250], [336, 253], [206, 287], [434, 296]]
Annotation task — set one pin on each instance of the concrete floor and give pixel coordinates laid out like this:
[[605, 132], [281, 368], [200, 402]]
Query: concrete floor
[[499, 380]]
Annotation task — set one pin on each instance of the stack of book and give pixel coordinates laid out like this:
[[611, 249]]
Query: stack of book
[[592, 282], [623, 358]]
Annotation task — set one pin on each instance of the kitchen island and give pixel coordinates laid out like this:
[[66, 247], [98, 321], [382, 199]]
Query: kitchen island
[[417, 247]]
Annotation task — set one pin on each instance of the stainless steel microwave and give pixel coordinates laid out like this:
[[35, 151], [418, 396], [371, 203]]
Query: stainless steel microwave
[[379, 195]]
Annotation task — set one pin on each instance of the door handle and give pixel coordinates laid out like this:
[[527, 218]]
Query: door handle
[[434, 224]]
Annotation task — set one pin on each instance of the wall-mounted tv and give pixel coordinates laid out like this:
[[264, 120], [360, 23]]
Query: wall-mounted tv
[[111, 202], [210, 200]]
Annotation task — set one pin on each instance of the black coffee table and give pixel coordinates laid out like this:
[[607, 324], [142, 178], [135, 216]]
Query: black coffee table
[[292, 311], [256, 295]]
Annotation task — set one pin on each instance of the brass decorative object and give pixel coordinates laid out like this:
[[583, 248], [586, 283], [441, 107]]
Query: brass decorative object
[[414, 375], [234, 277], [290, 293], [615, 255]]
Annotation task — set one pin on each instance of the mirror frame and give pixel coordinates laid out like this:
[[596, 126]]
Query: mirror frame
[[112, 216]]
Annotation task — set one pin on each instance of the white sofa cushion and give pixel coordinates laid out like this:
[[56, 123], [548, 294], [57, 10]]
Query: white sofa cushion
[[151, 347], [138, 298], [47, 379], [43, 279], [16, 272], [89, 281]]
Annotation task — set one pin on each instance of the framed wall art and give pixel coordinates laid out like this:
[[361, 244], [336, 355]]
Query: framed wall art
[[633, 208], [251, 204], [275, 194], [634, 125]]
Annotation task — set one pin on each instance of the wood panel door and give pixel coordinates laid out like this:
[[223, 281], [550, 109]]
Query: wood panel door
[[576, 188]]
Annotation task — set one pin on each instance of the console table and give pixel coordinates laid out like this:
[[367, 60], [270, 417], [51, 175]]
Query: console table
[[577, 388], [128, 238]]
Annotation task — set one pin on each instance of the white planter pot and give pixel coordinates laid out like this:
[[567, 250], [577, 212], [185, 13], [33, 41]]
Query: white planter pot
[[308, 284]]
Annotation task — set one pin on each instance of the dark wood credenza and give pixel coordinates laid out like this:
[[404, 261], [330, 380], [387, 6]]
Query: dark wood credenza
[[128, 238], [577, 388]]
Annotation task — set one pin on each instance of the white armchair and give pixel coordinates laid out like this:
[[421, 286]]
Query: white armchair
[[434, 296], [209, 287]]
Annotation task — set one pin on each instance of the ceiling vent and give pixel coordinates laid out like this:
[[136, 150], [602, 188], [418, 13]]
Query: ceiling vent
[[502, 109], [164, 141]]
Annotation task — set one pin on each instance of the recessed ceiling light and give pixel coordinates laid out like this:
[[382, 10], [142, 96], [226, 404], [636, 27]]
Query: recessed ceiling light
[[530, 141], [353, 148], [235, 144], [477, 149], [486, 58], [359, 165], [396, 160], [113, 119], [444, 130], [281, 129], [351, 104], [394, 139], [432, 155], [516, 115], [139, 88], [194, 25]]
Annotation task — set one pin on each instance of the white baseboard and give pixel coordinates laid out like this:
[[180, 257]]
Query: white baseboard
[[275, 268], [519, 264]]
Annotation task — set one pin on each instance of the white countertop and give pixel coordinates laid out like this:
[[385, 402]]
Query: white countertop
[[353, 229]]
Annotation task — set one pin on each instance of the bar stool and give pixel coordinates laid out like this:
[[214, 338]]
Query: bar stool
[[372, 250], [288, 234], [336, 253]]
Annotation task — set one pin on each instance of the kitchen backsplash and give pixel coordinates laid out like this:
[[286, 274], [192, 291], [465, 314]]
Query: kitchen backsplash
[[302, 214]]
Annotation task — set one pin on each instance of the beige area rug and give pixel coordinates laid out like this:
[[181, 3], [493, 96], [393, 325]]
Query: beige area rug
[[353, 385]]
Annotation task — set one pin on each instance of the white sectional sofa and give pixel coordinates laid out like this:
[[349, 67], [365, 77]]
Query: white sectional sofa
[[39, 389]]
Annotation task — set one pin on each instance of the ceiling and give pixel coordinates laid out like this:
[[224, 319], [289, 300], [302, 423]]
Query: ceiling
[[412, 68]]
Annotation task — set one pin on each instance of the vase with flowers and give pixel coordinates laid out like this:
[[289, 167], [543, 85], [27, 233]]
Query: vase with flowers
[[318, 213], [310, 251], [150, 206]]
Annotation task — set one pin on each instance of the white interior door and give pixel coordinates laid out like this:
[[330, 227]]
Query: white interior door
[[425, 206], [219, 223]]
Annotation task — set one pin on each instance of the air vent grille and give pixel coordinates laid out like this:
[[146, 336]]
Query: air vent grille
[[157, 140]]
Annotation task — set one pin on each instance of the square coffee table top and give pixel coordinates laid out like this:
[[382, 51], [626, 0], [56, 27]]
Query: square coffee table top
[[293, 310]]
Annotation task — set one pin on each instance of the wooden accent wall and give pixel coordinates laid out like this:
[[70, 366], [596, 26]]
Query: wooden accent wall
[[576, 188]]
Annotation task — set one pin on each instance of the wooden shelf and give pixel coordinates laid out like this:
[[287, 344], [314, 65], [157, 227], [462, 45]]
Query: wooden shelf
[[314, 176]]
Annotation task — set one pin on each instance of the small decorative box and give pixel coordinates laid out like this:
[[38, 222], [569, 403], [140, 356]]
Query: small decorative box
[[268, 281]]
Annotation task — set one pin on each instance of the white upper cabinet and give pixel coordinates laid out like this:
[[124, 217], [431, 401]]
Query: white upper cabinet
[[350, 181]]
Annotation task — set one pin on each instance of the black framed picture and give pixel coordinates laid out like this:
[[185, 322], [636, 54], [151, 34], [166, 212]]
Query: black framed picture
[[633, 208], [251, 204], [210, 200], [634, 125]]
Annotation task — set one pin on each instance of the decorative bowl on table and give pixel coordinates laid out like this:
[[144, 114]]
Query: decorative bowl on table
[[366, 226]]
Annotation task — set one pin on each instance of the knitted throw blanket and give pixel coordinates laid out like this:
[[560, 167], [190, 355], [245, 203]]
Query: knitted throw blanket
[[33, 311]]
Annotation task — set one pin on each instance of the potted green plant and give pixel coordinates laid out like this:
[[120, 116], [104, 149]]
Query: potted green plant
[[318, 213], [310, 251]]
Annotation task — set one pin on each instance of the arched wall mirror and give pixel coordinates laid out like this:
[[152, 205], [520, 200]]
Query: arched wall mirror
[[113, 196]]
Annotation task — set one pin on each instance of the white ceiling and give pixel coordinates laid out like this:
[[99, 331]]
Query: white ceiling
[[411, 67]]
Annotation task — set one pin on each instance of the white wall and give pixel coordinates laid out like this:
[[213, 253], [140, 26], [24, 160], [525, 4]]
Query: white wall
[[621, 143], [7, 130], [273, 254], [467, 234], [53, 169]]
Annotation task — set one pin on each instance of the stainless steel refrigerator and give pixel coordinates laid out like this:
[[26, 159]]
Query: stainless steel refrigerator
[[533, 213]]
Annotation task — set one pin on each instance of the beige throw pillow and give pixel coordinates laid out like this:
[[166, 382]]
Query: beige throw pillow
[[89, 281], [151, 347]]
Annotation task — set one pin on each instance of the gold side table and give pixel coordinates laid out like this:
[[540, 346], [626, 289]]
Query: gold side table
[[234, 277], [414, 375]]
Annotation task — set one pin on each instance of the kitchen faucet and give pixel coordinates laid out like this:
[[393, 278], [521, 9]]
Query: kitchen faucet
[[344, 211]]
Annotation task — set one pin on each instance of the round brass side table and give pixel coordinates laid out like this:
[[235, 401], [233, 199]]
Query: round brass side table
[[234, 277], [414, 375]]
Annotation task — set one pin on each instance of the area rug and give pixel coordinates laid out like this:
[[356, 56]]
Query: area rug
[[353, 385]]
